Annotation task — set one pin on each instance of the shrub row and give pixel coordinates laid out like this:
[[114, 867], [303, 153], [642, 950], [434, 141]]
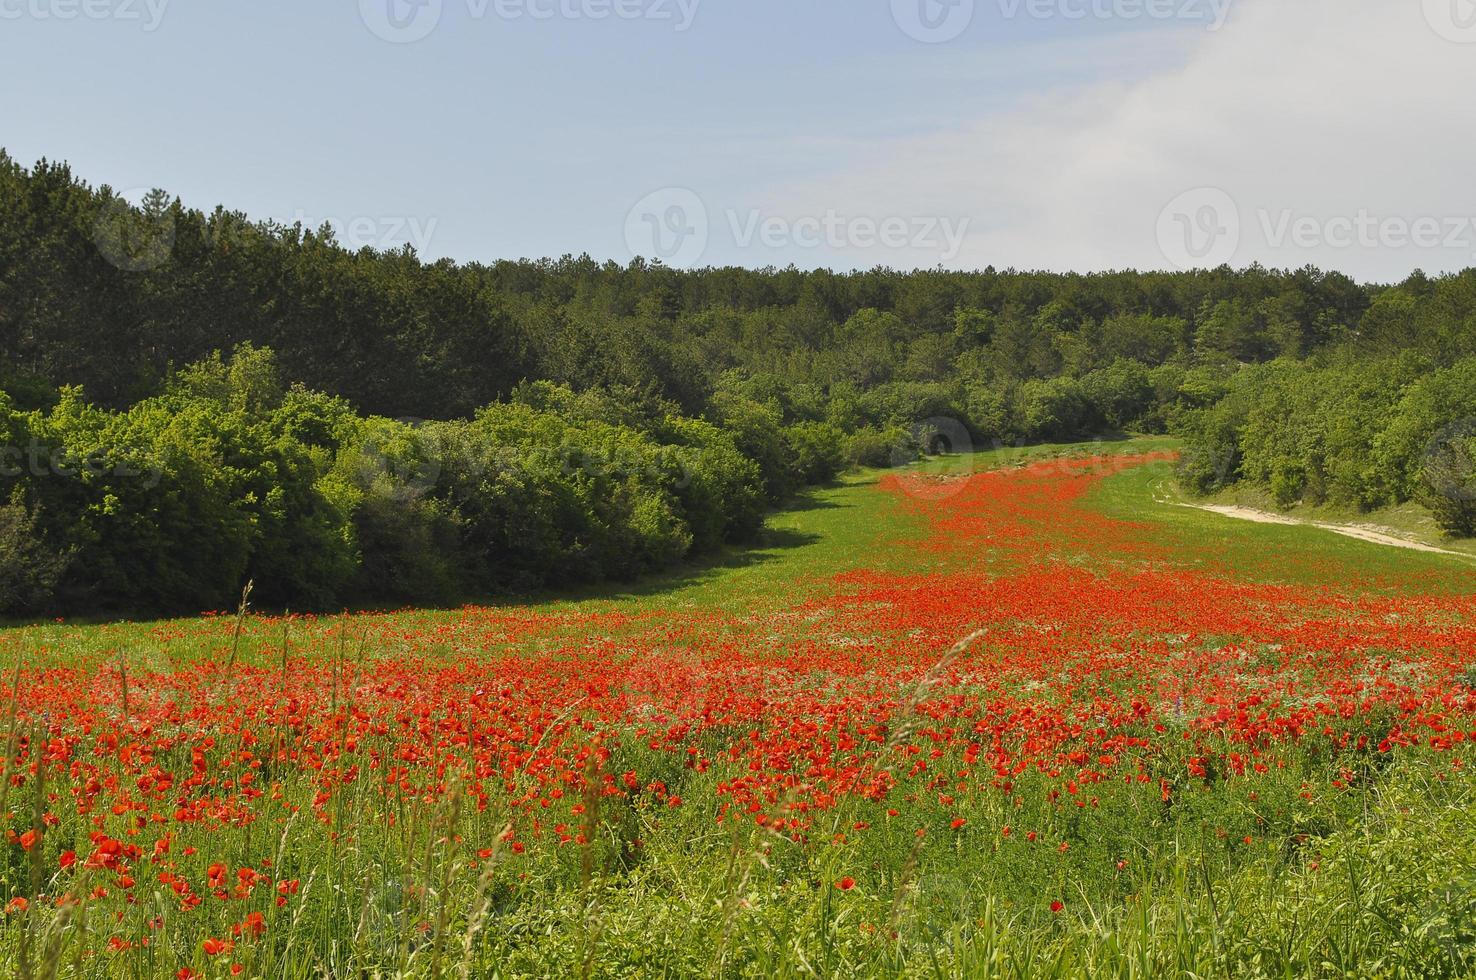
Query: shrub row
[[1360, 433], [229, 475]]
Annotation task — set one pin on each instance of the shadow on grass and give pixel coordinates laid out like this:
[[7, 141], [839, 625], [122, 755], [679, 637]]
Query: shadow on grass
[[808, 502], [772, 544], [769, 545]]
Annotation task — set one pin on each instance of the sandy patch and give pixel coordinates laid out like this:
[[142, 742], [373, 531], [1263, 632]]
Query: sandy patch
[[1244, 513], [1363, 532]]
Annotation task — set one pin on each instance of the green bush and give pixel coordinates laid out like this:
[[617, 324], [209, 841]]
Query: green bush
[[1288, 482], [1212, 457], [230, 475], [546, 501], [1053, 409], [817, 449], [720, 491], [758, 432], [1430, 405], [907, 403], [29, 566], [1449, 475], [1120, 395], [988, 411], [881, 448], [1362, 432]]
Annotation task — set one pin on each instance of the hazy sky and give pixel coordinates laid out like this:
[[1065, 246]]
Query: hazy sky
[[1080, 134]]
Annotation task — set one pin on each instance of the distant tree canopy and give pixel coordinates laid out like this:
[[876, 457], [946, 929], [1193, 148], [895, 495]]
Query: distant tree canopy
[[247, 364], [112, 297]]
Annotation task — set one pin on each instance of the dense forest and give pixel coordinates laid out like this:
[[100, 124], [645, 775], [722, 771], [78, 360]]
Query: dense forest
[[189, 400]]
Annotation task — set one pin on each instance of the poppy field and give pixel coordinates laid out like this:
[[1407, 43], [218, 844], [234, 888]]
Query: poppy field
[[1005, 717]]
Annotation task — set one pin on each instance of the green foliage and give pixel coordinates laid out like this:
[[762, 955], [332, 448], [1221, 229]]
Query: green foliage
[[881, 447], [758, 433], [249, 382], [29, 566], [1357, 431], [1288, 482], [719, 489], [1449, 475], [1053, 409], [114, 297], [1121, 394], [278, 461], [1144, 338], [231, 475], [1212, 459], [817, 449], [546, 500], [907, 403], [1435, 407]]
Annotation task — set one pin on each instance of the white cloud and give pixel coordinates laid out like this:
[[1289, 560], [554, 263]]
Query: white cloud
[[1324, 120]]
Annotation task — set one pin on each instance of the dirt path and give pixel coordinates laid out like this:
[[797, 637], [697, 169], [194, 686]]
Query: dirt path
[[1165, 493], [1362, 532]]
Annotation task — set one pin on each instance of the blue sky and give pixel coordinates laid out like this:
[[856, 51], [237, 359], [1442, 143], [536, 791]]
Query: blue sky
[[819, 132]]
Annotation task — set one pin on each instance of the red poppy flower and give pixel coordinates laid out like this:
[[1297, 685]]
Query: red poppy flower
[[214, 947]]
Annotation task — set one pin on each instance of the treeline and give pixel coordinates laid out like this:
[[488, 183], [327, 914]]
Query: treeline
[[708, 395], [230, 475], [1364, 433], [112, 297]]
